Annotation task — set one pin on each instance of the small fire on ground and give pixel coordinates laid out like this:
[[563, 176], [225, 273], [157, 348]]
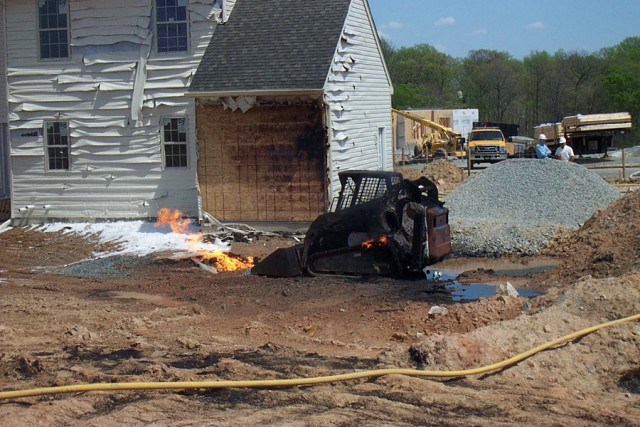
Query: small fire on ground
[[215, 260], [379, 242]]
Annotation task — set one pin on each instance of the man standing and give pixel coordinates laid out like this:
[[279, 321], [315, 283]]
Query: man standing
[[542, 151], [564, 152]]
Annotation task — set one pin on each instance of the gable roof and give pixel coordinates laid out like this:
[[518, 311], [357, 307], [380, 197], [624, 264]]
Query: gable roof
[[272, 46]]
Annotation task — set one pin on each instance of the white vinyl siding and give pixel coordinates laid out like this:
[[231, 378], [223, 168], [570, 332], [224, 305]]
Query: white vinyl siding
[[113, 92], [358, 95], [3, 69]]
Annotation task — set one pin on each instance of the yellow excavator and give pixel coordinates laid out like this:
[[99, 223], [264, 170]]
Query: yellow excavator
[[444, 141]]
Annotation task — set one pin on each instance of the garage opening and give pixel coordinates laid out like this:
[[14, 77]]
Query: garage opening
[[266, 164]]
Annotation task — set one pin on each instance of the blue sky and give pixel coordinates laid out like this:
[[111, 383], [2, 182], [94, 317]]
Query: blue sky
[[515, 26]]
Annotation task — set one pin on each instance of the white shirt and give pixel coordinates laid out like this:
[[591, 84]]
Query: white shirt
[[564, 152]]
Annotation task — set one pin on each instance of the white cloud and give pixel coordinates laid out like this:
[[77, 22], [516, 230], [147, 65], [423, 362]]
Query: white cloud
[[449, 20], [393, 25], [481, 31], [385, 29], [384, 35], [536, 26]]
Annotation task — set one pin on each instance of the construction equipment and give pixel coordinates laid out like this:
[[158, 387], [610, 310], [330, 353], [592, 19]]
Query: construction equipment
[[382, 225], [486, 144], [586, 133], [444, 138]]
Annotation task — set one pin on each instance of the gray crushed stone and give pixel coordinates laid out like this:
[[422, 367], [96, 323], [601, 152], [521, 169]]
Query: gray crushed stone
[[515, 206], [107, 266]]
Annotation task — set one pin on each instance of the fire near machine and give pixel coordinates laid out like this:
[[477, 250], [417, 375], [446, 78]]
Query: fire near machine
[[381, 225]]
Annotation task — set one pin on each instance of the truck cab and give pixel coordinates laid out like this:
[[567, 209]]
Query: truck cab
[[487, 145]]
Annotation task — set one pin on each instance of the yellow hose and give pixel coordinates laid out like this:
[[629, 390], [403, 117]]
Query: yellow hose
[[183, 385]]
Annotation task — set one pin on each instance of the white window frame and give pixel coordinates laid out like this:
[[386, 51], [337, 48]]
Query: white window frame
[[41, 31], [65, 155], [179, 122], [157, 23]]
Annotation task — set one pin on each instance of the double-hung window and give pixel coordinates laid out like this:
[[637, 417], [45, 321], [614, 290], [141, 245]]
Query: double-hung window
[[53, 29], [57, 144], [171, 26], [174, 140]]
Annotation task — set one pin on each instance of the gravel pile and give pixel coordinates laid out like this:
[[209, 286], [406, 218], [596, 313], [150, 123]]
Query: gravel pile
[[108, 266], [515, 206]]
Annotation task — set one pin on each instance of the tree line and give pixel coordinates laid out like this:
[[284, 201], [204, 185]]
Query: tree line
[[540, 88]]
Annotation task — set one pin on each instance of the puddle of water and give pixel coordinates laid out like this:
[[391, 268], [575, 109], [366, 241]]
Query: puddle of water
[[452, 268], [448, 271], [474, 291]]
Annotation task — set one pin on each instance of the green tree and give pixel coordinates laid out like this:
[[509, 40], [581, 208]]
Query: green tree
[[422, 77], [622, 77], [491, 80], [536, 68]]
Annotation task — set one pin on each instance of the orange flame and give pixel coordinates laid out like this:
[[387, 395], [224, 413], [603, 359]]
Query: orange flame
[[226, 262], [379, 242], [174, 219]]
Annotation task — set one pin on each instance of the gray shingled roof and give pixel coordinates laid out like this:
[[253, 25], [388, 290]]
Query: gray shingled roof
[[272, 45]]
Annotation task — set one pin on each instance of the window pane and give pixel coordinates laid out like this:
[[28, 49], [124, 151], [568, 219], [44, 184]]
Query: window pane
[[182, 14], [182, 43], [45, 53], [55, 51], [53, 24], [57, 144], [175, 138], [171, 26], [171, 14], [172, 31]]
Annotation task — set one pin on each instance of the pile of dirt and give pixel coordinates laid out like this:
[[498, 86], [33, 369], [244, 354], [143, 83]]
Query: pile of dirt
[[608, 244], [443, 173]]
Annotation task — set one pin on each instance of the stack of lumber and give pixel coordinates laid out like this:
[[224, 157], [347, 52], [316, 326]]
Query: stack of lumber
[[551, 130], [589, 122]]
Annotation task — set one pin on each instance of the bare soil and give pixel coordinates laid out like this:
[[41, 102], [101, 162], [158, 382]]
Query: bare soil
[[159, 319], [444, 174]]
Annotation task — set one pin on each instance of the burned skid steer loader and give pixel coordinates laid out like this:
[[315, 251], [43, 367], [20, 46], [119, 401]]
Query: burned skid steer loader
[[381, 225]]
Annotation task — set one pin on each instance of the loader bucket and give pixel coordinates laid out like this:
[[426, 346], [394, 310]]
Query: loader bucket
[[283, 262]]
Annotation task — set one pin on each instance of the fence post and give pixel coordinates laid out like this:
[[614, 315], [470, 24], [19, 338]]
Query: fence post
[[624, 172]]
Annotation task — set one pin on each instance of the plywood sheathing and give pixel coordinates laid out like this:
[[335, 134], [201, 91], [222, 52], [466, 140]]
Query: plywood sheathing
[[267, 164]]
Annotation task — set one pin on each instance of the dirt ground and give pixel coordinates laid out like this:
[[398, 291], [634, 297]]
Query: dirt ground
[[443, 173], [158, 319]]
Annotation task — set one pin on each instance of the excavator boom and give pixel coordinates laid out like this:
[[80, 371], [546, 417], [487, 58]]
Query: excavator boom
[[450, 140]]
